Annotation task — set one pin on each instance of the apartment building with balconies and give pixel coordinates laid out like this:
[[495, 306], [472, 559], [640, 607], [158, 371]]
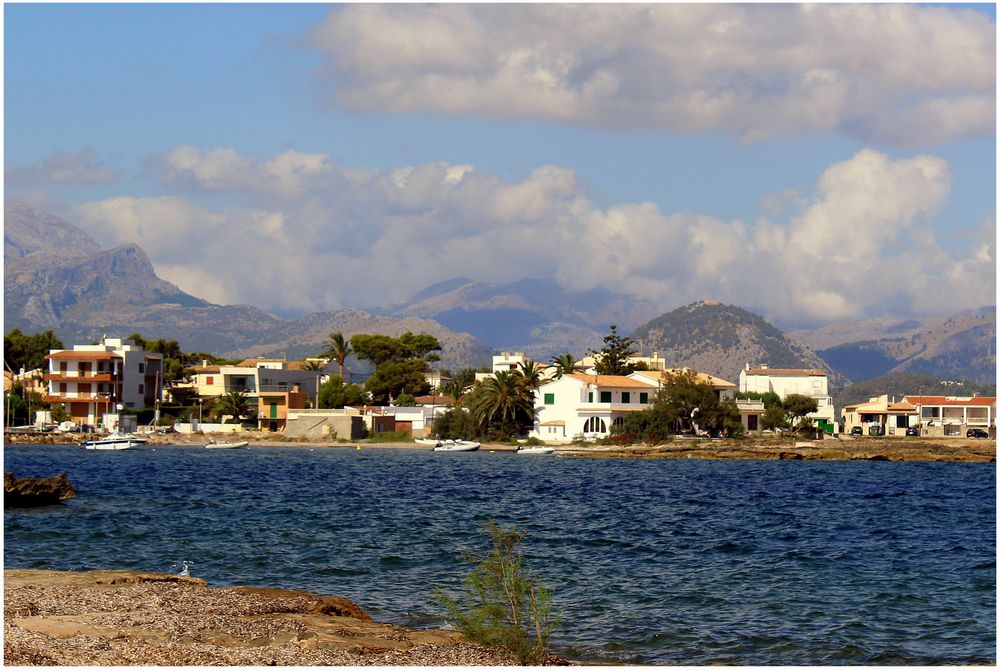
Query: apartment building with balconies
[[811, 382], [93, 380]]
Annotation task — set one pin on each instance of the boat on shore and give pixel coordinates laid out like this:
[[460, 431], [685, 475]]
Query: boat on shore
[[115, 441], [428, 442], [212, 445], [457, 446], [536, 449]]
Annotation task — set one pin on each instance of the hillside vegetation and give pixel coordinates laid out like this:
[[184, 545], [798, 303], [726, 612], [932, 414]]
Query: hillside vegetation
[[720, 339]]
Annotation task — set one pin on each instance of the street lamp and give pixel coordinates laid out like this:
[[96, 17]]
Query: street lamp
[[200, 402]]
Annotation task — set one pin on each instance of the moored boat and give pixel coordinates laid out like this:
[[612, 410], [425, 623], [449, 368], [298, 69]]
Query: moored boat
[[226, 446], [457, 446], [115, 441], [429, 442], [537, 449]]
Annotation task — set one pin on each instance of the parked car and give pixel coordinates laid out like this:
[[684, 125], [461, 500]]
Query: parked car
[[912, 431], [977, 433], [856, 431]]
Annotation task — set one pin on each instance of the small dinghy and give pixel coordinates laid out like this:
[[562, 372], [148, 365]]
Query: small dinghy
[[537, 449], [115, 441], [457, 446], [212, 445], [429, 442]]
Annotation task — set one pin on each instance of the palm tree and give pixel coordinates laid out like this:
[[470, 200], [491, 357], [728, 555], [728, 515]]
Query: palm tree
[[454, 389], [234, 403], [338, 349], [311, 364], [565, 363], [504, 401]]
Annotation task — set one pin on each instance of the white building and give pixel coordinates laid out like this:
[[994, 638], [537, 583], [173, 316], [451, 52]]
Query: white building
[[954, 415], [513, 361], [92, 380], [587, 406], [810, 382]]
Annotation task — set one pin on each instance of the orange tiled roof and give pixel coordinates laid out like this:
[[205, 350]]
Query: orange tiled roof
[[717, 382], [556, 422], [611, 380], [944, 400], [73, 355]]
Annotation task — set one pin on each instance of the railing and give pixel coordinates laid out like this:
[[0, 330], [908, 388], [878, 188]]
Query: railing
[[103, 375], [77, 396]]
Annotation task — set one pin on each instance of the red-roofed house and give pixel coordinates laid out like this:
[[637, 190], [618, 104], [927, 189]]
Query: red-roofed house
[[587, 406], [954, 415]]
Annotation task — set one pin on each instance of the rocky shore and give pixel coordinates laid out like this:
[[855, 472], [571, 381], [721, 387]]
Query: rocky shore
[[830, 449], [114, 618], [766, 447]]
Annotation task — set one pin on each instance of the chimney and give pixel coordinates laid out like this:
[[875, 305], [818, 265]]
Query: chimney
[[204, 362], [296, 388]]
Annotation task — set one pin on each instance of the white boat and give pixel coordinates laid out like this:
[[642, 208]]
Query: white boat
[[429, 442], [115, 441], [226, 446], [537, 449], [457, 446]]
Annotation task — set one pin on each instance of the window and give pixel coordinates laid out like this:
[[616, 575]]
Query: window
[[550, 399], [618, 421], [590, 397], [605, 397], [626, 397], [209, 380], [141, 388], [643, 397], [595, 425], [142, 368]]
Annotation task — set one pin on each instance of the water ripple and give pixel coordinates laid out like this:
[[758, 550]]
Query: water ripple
[[650, 562]]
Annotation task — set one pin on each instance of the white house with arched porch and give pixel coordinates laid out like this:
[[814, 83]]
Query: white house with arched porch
[[587, 406]]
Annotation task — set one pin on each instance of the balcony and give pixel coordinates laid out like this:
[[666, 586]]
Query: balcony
[[71, 396], [74, 376]]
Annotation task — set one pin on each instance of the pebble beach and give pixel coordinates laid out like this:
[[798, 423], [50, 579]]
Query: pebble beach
[[114, 618]]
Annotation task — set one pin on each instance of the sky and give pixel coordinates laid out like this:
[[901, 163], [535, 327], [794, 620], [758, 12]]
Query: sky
[[821, 162]]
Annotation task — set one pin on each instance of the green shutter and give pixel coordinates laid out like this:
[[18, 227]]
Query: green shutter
[[274, 411], [550, 399]]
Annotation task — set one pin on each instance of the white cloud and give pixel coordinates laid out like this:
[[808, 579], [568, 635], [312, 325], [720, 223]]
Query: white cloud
[[892, 73], [862, 243], [61, 168]]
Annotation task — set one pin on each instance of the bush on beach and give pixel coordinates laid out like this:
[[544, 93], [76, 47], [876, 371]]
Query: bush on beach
[[504, 605]]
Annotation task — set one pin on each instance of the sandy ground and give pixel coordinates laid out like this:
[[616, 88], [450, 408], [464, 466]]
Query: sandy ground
[[110, 618]]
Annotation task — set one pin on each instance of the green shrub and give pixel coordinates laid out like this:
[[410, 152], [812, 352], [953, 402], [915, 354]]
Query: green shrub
[[504, 605]]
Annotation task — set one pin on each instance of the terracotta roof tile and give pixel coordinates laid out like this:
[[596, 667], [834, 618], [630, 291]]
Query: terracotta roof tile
[[944, 400], [73, 355], [610, 380]]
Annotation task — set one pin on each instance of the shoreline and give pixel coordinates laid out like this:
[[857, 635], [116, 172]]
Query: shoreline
[[840, 448], [114, 618]]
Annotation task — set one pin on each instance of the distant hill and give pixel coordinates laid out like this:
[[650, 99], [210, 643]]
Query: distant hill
[[721, 339], [57, 277], [536, 316], [956, 347], [900, 384]]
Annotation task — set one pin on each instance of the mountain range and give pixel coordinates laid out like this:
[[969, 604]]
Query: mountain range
[[57, 277]]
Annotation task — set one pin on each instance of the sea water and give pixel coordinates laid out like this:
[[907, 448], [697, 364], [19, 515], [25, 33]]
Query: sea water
[[649, 561]]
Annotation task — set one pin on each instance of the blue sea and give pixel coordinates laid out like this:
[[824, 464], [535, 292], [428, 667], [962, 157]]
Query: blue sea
[[649, 561]]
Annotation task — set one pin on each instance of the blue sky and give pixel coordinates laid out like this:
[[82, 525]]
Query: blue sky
[[673, 155]]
